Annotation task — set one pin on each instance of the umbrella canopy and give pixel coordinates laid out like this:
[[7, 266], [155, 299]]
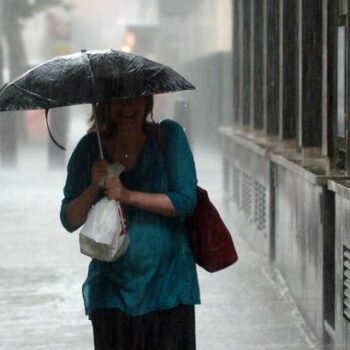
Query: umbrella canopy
[[89, 77]]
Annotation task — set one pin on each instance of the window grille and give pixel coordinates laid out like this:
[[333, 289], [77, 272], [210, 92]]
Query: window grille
[[346, 283], [260, 206], [236, 185], [247, 189]]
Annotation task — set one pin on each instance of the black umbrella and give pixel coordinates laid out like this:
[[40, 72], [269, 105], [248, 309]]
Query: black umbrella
[[89, 77]]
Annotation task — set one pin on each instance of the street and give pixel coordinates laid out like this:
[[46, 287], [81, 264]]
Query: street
[[246, 306]]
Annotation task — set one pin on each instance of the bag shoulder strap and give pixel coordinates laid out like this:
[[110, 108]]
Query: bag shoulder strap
[[161, 137]]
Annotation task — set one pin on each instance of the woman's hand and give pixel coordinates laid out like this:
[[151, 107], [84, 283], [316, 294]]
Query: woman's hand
[[155, 202], [114, 189], [79, 207], [98, 173]]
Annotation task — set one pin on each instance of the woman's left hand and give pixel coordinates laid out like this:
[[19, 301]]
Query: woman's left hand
[[156, 202], [114, 189]]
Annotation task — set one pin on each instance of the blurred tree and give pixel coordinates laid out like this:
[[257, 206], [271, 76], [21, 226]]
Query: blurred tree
[[12, 14], [59, 42]]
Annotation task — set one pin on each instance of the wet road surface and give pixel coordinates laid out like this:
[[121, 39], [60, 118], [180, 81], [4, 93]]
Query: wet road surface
[[243, 307]]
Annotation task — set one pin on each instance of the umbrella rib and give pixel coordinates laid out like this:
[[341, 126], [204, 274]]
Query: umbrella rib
[[92, 75], [30, 93], [157, 73], [4, 87], [94, 109]]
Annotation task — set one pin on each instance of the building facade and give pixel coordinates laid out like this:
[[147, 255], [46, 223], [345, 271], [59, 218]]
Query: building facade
[[287, 155]]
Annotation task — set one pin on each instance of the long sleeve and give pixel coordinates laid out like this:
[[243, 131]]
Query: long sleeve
[[180, 168], [78, 178]]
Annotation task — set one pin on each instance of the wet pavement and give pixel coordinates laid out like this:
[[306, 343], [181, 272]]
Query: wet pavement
[[246, 306]]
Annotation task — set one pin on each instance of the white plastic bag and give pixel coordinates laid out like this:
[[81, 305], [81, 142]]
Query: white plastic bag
[[104, 234]]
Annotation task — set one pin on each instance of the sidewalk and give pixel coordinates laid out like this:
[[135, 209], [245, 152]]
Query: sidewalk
[[248, 305], [244, 307]]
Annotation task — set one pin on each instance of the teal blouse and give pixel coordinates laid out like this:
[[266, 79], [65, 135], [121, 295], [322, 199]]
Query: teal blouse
[[158, 269]]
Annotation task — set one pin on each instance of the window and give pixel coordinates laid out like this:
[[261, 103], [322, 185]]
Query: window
[[341, 93]]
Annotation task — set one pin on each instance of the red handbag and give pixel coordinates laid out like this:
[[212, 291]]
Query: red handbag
[[211, 241]]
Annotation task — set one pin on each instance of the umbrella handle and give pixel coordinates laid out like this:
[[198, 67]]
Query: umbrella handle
[[97, 131]]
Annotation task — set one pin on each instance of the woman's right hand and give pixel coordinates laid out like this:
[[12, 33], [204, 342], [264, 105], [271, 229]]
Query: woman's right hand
[[79, 207], [98, 172]]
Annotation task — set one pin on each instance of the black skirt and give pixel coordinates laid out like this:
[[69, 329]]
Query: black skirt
[[170, 329]]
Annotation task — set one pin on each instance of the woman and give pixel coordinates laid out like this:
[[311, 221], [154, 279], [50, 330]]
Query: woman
[[146, 298]]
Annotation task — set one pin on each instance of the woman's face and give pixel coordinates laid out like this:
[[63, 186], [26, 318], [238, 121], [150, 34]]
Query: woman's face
[[129, 112]]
